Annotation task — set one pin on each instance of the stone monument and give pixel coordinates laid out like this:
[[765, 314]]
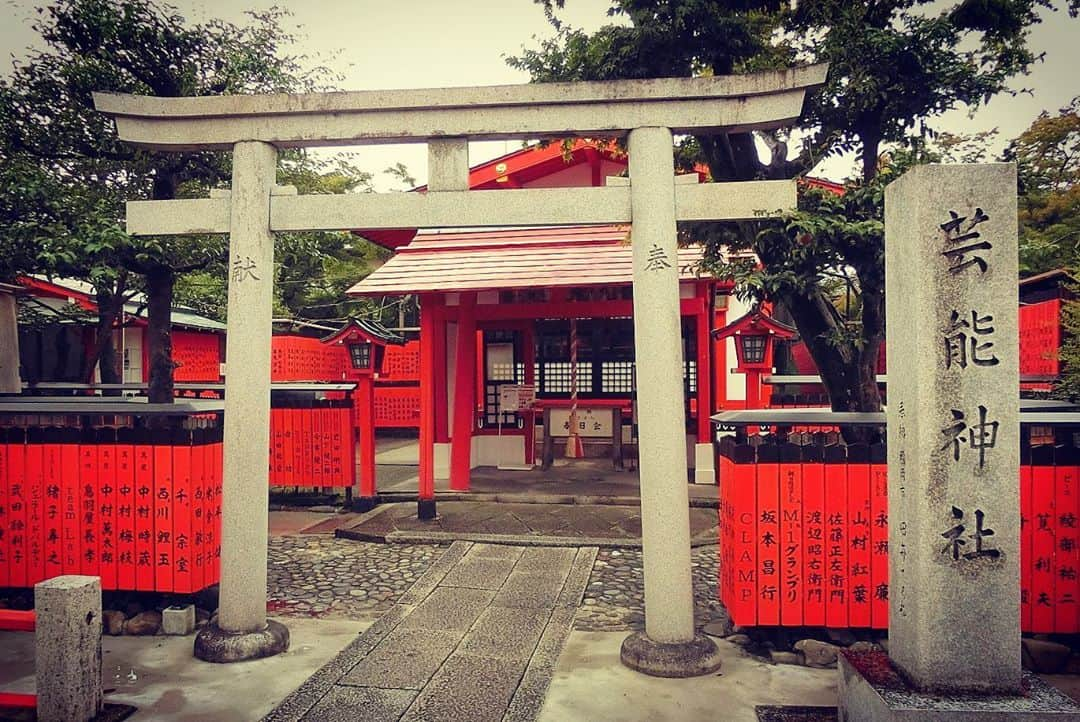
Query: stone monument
[[954, 440]]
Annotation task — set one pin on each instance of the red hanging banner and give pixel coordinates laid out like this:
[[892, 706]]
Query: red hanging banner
[[879, 537], [17, 502], [744, 605], [860, 589], [1043, 541], [51, 476], [791, 536], [144, 511], [181, 511], [768, 534], [162, 505], [836, 536], [125, 509], [814, 564], [35, 506], [106, 508]]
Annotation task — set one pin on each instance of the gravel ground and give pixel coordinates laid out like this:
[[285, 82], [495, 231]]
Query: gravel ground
[[320, 576], [615, 596]]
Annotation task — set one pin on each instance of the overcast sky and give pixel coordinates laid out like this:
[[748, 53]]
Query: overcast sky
[[433, 43]]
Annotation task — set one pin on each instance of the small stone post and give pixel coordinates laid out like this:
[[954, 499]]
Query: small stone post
[[669, 646], [953, 425], [67, 637], [242, 631]]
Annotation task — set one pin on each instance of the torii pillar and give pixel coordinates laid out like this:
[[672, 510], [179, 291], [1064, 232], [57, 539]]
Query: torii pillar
[[669, 647], [242, 630]]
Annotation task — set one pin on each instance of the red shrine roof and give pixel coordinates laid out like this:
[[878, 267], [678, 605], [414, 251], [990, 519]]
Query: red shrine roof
[[513, 258]]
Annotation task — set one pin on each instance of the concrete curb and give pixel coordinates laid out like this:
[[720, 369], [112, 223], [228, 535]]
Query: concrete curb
[[440, 537], [571, 499]]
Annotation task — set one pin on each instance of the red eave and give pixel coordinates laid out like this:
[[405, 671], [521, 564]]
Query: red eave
[[517, 258], [53, 290]]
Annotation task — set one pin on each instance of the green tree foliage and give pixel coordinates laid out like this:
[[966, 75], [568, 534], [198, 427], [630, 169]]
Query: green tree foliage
[[313, 269], [1047, 155], [894, 66], [65, 156]]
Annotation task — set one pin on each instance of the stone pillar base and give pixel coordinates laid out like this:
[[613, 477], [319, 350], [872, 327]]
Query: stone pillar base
[[681, 659], [425, 509], [888, 698], [365, 503], [213, 644]]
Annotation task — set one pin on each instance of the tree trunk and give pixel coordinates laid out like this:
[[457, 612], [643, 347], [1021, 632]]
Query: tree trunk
[[159, 293], [849, 377], [110, 303]]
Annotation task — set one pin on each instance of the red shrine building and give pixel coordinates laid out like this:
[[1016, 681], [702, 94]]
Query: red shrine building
[[497, 310], [502, 308]]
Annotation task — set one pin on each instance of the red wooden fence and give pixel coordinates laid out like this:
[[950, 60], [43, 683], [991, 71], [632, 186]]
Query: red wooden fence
[[804, 536], [311, 443], [139, 508]]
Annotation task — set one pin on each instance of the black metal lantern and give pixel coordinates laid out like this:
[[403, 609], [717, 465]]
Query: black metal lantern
[[360, 354], [751, 348]]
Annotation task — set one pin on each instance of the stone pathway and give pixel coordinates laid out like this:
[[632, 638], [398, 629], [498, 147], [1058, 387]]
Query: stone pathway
[[319, 576], [615, 596], [477, 637]]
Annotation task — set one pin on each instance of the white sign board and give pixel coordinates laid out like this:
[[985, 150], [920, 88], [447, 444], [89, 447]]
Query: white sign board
[[514, 397], [590, 422]]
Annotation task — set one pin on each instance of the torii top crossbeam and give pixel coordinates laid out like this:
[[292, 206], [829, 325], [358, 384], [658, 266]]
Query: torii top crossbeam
[[446, 118], [722, 103]]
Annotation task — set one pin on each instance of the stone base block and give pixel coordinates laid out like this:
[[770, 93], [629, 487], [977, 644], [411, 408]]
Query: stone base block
[[659, 659], [213, 644], [365, 503], [425, 509], [178, 620], [872, 691]]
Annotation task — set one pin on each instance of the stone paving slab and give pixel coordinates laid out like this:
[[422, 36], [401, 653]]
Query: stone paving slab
[[547, 560], [479, 573], [506, 633], [468, 687], [494, 551], [355, 704], [529, 591], [453, 653], [449, 608], [404, 659]]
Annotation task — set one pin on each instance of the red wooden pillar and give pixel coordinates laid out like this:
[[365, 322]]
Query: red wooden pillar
[[719, 359], [365, 390], [753, 390], [442, 415], [425, 505], [704, 371], [464, 394], [528, 355]]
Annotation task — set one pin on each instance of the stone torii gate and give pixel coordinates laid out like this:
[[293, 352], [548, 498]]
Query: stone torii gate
[[648, 111]]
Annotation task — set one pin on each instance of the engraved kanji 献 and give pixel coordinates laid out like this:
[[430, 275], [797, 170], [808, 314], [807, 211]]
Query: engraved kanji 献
[[244, 268]]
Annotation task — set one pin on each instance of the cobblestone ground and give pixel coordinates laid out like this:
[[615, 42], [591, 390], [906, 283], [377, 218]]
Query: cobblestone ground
[[615, 596], [320, 576]]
